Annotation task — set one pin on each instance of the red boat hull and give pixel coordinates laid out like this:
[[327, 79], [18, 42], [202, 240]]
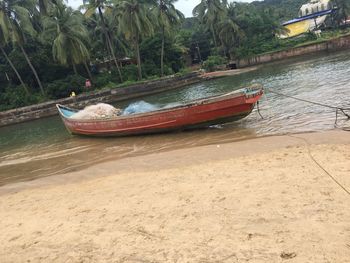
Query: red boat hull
[[216, 110]]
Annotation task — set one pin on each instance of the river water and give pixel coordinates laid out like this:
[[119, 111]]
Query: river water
[[43, 147]]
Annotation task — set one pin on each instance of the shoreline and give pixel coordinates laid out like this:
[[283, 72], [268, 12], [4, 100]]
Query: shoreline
[[112, 95], [148, 162], [258, 200]]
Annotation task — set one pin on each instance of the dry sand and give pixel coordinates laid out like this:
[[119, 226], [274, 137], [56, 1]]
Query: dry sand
[[262, 200]]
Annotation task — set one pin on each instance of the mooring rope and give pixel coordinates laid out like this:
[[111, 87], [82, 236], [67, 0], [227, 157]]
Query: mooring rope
[[336, 108], [258, 108], [320, 166], [308, 101]]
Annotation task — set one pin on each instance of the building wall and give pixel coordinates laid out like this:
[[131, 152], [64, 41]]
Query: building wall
[[314, 7]]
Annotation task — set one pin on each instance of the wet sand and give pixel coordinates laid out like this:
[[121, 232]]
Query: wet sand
[[259, 200]]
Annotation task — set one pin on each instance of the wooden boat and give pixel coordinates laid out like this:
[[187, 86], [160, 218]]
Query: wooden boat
[[200, 113]]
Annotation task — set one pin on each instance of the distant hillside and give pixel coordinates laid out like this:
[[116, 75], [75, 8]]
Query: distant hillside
[[287, 9]]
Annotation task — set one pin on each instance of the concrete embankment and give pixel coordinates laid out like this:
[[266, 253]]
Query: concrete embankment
[[48, 109], [336, 44]]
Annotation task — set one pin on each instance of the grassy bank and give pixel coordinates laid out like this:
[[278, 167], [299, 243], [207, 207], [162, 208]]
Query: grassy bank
[[276, 45], [15, 97]]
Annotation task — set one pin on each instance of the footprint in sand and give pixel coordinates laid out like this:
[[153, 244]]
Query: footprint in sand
[[288, 255]]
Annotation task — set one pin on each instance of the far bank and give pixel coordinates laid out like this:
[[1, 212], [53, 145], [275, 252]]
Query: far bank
[[141, 89], [322, 45]]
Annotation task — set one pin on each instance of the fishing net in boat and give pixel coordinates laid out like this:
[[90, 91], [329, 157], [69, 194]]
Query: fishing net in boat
[[142, 107], [98, 111], [139, 107]]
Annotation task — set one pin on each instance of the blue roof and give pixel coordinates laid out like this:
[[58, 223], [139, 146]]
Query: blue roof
[[311, 16]]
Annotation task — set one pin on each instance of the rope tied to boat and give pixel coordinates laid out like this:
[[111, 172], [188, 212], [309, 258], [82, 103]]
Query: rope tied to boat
[[338, 109], [258, 109], [320, 166]]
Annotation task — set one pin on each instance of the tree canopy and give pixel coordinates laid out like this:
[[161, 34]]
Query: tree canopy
[[113, 41]]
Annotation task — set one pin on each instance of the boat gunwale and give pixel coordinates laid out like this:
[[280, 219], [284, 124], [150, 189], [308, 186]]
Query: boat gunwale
[[257, 89]]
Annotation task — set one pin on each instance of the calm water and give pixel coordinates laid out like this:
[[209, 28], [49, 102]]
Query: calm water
[[43, 147]]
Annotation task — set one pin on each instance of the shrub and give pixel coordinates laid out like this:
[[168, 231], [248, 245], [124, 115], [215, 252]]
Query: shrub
[[169, 70], [63, 87], [149, 68], [213, 62], [129, 72], [15, 97], [103, 79]]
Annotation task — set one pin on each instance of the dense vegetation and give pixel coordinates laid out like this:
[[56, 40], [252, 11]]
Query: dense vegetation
[[47, 49]]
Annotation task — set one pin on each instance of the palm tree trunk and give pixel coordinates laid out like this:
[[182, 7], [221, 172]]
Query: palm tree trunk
[[162, 54], [109, 54], [104, 28], [33, 69], [137, 47], [15, 70], [214, 37], [75, 69], [114, 58], [199, 54], [42, 7], [88, 70]]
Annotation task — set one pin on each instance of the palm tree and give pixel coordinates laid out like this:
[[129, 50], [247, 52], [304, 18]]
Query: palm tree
[[134, 21], [65, 26], [229, 34], [168, 17], [44, 5], [4, 38], [16, 18], [90, 10], [210, 13]]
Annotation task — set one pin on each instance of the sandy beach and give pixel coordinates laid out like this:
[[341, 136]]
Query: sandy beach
[[259, 200]]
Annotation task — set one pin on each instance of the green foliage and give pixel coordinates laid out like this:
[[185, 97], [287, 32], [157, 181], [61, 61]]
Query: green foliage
[[62, 88], [103, 79], [258, 46], [42, 60], [46, 33], [343, 10], [150, 69], [210, 14], [64, 28], [15, 97], [284, 9], [135, 22], [213, 63], [184, 71], [150, 52], [195, 42], [129, 72]]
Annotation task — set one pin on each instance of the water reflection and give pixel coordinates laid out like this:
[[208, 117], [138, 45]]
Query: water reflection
[[43, 147]]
